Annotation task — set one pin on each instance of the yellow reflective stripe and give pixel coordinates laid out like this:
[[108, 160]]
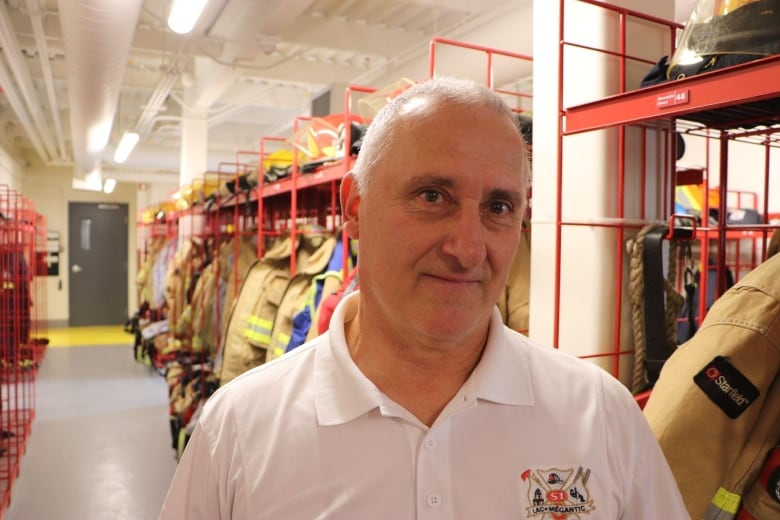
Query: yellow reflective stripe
[[258, 330], [181, 443], [312, 292], [727, 501], [260, 323], [280, 345], [257, 337]]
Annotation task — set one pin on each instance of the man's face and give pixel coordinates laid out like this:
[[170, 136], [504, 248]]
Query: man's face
[[439, 224]]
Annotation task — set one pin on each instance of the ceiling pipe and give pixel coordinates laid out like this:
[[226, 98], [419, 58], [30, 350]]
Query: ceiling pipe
[[156, 101], [97, 35], [17, 105], [20, 72], [43, 53]]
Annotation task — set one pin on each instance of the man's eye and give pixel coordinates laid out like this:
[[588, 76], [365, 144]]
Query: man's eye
[[499, 208], [431, 196]]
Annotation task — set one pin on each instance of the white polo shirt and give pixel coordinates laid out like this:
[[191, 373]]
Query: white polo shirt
[[533, 433]]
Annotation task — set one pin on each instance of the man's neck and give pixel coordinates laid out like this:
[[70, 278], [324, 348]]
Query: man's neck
[[421, 378]]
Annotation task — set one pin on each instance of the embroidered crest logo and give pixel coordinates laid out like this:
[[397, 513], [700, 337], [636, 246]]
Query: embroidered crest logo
[[558, 494]]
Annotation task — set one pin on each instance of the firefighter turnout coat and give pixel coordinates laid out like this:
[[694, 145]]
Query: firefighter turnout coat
[[716, 406]]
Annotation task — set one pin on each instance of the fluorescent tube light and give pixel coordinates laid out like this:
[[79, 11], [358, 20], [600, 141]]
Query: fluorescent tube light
[[109, 185], [184, 14], [125, 146]]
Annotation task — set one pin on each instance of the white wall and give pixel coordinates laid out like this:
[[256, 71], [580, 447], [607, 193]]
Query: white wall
[[10, 171], [50, 190]]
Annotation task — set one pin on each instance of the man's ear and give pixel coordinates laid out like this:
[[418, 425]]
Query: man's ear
[[350, 202]]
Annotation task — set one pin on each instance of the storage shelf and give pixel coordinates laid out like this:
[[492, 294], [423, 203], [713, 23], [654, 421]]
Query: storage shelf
[[745, 94], [327, 173]]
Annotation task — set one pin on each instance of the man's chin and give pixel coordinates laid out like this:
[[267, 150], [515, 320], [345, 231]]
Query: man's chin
[[455, 324]]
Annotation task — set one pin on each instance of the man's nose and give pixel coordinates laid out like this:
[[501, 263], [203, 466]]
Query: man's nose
[[465, 240]]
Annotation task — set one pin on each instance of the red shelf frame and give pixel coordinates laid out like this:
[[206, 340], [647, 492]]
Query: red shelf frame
[[748, 82], [725, 100], [22, 322], [325, 174]]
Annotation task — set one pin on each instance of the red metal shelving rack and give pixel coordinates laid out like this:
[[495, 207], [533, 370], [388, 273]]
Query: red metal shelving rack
[[491, 56], [720, 99], [22, 318], [284, 204], [38, 313], [717, 104]]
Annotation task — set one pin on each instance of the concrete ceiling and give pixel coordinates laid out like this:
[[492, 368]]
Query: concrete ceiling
[[249, 68]]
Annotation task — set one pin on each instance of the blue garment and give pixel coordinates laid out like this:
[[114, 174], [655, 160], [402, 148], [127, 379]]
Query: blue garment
[[301, 323]]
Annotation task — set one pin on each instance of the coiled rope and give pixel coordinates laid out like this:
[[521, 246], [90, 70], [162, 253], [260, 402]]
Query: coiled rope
[[674, 302]]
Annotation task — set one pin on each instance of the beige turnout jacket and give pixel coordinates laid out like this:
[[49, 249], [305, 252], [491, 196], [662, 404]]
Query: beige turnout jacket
[[716, 406]]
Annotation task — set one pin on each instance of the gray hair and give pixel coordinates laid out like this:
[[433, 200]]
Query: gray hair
[[450, 90]]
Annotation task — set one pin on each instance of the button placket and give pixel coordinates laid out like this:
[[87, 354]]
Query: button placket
[[433, 477]]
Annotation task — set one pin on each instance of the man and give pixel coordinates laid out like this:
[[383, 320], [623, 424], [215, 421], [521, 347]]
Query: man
[[418, 402]]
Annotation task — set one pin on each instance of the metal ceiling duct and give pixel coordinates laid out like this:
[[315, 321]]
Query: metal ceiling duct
[[97, 35]]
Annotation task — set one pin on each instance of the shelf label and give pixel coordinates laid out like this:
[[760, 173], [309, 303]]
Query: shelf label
[[674, 98]]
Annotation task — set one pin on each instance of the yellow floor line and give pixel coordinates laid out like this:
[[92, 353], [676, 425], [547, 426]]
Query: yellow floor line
[[88, 336]]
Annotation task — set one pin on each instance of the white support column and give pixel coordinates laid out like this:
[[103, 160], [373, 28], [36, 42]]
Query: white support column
[[198, 99], [194, 162], [194, 146]]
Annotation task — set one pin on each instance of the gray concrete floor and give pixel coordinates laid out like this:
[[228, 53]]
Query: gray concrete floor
[[100, 444]]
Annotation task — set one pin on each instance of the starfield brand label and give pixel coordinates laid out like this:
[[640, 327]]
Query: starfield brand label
[[726, 387]]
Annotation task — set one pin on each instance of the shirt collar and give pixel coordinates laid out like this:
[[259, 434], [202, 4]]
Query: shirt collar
[[343, 393], [502, 375]]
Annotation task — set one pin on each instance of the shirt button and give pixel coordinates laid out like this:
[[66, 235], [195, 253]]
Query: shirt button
[[430, 444], [434, 500]]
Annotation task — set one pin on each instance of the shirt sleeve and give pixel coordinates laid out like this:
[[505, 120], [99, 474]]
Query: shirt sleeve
[[649, 489], [192, 494], [210, 474]]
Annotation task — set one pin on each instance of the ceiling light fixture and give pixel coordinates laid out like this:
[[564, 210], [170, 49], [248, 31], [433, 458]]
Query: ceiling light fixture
[[109, 185], [125, 146], [184, 14]]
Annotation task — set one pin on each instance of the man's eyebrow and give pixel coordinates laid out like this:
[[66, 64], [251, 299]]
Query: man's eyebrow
[[429, 180], [515, 197]]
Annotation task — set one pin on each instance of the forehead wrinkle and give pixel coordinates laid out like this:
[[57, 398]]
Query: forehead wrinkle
[[430, 180]]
